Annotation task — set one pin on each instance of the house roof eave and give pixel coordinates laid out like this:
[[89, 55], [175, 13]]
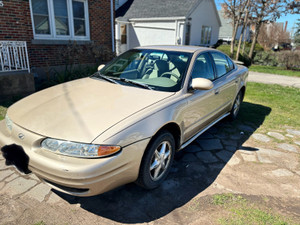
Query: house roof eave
[[122, 20], [158, 19], [216, 11]]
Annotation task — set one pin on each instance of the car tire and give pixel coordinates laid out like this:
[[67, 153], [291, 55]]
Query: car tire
[[236, 106], [157, 161]]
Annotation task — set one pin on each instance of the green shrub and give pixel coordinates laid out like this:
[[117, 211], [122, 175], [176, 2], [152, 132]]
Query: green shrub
[[72, 74], [289, 59], [225, 49], [242, 57], [69, 73], [245, 59], [266, 58], [257, 48], [74, 56]]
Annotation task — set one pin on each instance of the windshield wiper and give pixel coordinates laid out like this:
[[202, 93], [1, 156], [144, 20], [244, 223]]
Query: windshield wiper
[[106, 78], [136, 83]]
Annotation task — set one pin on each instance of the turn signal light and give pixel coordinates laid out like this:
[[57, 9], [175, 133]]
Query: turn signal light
[[108, 150]]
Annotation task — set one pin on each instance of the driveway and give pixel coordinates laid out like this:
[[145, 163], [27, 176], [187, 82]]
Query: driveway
[[274, 79], [228, 158]]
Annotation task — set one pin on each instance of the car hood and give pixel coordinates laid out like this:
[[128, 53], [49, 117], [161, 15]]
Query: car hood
[[81, 110]]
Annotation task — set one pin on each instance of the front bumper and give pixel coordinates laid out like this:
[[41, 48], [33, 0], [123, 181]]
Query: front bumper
[[76, 176]]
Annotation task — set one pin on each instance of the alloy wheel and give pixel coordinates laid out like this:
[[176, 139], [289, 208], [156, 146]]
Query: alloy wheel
[[237, 104], [160, 160]]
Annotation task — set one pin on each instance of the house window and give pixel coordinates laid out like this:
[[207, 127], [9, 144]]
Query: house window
[[60, 19], [40, 16], [79, 19], [205, 35]]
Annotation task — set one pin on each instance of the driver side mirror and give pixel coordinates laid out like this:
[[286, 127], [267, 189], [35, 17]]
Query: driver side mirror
[[201, 84], [100, 67]]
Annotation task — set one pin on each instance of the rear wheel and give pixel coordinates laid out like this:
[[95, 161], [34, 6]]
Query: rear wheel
[[236, 106], [157, 161]]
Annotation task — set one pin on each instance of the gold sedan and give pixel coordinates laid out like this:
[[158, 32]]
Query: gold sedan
[[125, 122]]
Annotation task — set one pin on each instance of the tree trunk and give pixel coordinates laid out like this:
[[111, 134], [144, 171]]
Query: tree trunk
[[240, 41], [257, 27], [244, 43], [245, 21], [239, 46], [235, 26], [234, 32]]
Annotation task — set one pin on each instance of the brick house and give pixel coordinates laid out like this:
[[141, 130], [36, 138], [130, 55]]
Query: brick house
[[49, 26]]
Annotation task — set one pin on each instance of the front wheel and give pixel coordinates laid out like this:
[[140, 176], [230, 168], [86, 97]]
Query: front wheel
[[157, 161]]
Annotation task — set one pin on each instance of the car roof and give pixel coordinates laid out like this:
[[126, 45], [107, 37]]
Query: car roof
[[179, 48]]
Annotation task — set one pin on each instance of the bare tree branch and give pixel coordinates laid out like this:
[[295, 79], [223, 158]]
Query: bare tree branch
[[269, 10]]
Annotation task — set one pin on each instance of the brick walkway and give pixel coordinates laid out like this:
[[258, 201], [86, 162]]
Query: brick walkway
[[226, 158]]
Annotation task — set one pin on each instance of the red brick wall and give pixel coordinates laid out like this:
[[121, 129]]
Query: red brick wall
[[16, 25], [100, 21], [15, 21]]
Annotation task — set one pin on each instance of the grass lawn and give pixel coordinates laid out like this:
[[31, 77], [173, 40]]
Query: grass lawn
[[274, 70], [271, 106], [2, 112], [3, 108]]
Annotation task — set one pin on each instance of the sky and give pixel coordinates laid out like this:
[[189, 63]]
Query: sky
[[290, 17]]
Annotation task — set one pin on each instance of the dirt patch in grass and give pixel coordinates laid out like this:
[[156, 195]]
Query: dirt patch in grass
[[252, 210], [231, 208]]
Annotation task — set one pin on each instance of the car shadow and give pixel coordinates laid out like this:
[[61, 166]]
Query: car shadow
[[195, 168]]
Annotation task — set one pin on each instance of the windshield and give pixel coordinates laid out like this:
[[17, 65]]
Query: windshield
[[157, 69]]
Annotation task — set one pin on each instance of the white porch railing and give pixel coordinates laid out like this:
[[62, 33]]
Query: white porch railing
[[13, 56]]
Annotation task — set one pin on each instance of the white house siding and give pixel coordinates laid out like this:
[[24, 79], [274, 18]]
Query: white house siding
[[246, 33], [132, 38], [225, 32], [228, 36], [204, 15]]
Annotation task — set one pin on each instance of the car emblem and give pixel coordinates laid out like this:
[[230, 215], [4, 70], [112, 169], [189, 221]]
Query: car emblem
[[21, 136]]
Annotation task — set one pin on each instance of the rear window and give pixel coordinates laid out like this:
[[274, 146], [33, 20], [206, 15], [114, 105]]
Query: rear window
[[221, 62], [231, 64]]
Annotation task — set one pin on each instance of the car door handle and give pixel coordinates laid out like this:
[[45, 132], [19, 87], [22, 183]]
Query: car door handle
[[217, 91]]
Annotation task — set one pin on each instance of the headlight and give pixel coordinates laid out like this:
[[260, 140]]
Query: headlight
[[8, 123], [78, 149]]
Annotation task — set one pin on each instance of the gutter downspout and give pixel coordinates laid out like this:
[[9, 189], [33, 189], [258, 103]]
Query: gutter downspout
[[112, 25]]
